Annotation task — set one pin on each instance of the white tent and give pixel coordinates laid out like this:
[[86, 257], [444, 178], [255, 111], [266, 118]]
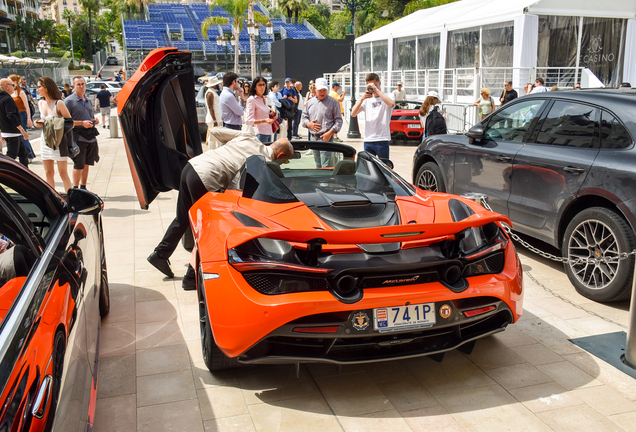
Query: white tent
[[520, 15], [471, 13]]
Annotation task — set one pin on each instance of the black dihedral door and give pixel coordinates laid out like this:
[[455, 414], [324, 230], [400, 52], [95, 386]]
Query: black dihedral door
[[159, 122]]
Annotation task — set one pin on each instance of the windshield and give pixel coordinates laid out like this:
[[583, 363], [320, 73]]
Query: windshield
[[408, 105], [321, 176]]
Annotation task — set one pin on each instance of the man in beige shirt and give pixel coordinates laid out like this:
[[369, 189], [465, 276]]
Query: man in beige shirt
[[212, 171]]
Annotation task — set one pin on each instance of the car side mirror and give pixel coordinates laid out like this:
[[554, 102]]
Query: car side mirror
[[475, 133], [296, 155], [387, 162], [84, 202]]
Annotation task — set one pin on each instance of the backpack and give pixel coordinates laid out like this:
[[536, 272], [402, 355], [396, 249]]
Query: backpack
[[435, 123]]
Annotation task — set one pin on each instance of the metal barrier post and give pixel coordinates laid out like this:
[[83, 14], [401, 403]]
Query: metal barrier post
[[630, 344], [114, 126]]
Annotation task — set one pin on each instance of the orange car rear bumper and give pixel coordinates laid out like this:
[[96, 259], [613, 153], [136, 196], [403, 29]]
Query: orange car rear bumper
[[240, 316]]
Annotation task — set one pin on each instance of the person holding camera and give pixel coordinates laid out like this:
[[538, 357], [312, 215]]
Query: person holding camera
[[84, 131], [377, 108]]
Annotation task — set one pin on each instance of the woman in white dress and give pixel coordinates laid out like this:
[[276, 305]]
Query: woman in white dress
[[52, 105], [212, 105]]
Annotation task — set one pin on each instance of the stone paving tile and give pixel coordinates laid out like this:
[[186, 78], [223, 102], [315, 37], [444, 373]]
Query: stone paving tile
[[220, 402], [454, 373], [537, 354], [162, 359], [165, 387], [577, 418], [242, 423], [489, 408], [626, 421], [291, 415], [356, 395], [545, 397], [116, 376], [568, 375], [182, 416], [156, 311], [116, 414], [407, 395], [270, 383], [116, 338], [605, 400], [605, 373], [521, 375], [433, 419], [490, 353], [155, 334], [385, 421]]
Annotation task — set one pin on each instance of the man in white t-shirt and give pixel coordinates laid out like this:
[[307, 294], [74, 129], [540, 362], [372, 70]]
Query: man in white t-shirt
[[377, 108]]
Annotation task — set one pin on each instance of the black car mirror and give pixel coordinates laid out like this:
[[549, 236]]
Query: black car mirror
[[387, 162], [475, 133], [296, 155], [84, 202]]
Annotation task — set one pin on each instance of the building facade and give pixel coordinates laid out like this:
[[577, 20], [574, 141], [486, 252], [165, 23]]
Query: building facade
[[9, 10]]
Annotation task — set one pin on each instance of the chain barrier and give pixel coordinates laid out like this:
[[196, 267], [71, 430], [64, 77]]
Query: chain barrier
[[614, 259]]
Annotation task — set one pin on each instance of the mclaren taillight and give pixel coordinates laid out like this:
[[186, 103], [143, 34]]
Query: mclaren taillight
[[474, 312]]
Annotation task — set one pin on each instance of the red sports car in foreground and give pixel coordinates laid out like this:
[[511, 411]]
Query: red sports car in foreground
[[344, 264], [405, 123]]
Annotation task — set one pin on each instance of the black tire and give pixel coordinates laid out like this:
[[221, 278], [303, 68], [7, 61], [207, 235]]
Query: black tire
[[600, 282], [187, 241], [212, 356], [59, 349], [429, 177]]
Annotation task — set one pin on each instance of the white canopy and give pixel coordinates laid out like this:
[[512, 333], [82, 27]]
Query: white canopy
[[472, 13]]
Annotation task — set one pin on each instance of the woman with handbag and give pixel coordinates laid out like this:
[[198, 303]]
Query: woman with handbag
[[257, 111], [52, 106], [22, 101]]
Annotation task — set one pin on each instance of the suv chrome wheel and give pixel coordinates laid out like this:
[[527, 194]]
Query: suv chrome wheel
[[429, 177], [599, 233]]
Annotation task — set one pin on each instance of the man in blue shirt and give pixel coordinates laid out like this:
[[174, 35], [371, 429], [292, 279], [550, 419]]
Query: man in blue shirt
[[231, 110], [104, 97], [289, 92]]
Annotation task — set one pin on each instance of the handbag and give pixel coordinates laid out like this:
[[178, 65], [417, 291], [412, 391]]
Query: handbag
[[275, 125], [73, 148]]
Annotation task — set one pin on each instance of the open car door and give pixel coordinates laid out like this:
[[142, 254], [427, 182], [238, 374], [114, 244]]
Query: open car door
[[157, 111]]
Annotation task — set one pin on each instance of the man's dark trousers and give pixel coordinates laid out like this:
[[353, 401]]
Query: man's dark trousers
[[191, 188], [16, 148], [297, 117]]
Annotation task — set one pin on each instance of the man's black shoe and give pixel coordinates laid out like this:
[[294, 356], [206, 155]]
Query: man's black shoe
[[189, 281], [163, 265], [189, 284]]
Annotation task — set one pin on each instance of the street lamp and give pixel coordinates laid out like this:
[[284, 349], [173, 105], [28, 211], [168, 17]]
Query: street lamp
[[353, 6], [222, 41], [254, 29]]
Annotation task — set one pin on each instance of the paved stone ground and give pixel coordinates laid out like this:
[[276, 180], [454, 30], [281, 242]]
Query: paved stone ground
[[152, 376]]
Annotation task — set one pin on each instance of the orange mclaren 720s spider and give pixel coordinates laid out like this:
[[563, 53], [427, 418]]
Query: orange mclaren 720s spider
[[329, 257]]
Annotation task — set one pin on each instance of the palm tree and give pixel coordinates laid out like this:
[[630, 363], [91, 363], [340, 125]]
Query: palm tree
[[90, 6], [236, 10], [141, 4], [293, 7], [69, 16]]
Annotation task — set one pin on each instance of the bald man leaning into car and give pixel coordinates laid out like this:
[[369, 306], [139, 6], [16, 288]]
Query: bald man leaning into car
[[212, 171]]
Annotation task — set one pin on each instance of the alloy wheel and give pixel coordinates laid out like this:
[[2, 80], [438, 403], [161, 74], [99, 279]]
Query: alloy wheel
[[594, 239], [427, 181]]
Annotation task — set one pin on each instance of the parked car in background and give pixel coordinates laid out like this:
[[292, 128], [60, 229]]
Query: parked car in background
[[111, 60], [405, 123], [54, 291], [561, 166], [112, 86], [329, 257]]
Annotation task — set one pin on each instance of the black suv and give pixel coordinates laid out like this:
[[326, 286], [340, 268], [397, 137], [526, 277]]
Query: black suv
[[561, 165], [111, 60]]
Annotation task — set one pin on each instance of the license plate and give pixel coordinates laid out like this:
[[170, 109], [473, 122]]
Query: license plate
[[404, 317], [414, 126]]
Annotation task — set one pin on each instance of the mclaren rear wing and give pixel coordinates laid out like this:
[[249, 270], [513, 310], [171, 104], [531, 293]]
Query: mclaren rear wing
[[388, 234]]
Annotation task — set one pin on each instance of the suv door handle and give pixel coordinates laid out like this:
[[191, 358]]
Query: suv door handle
[[574, 170], [502, 158]]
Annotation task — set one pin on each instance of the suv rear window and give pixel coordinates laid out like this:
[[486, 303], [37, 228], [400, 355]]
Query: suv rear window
[[613, 134], [570, 124]]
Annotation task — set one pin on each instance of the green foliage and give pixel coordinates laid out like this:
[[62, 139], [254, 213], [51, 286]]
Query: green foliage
[[415, 5]]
